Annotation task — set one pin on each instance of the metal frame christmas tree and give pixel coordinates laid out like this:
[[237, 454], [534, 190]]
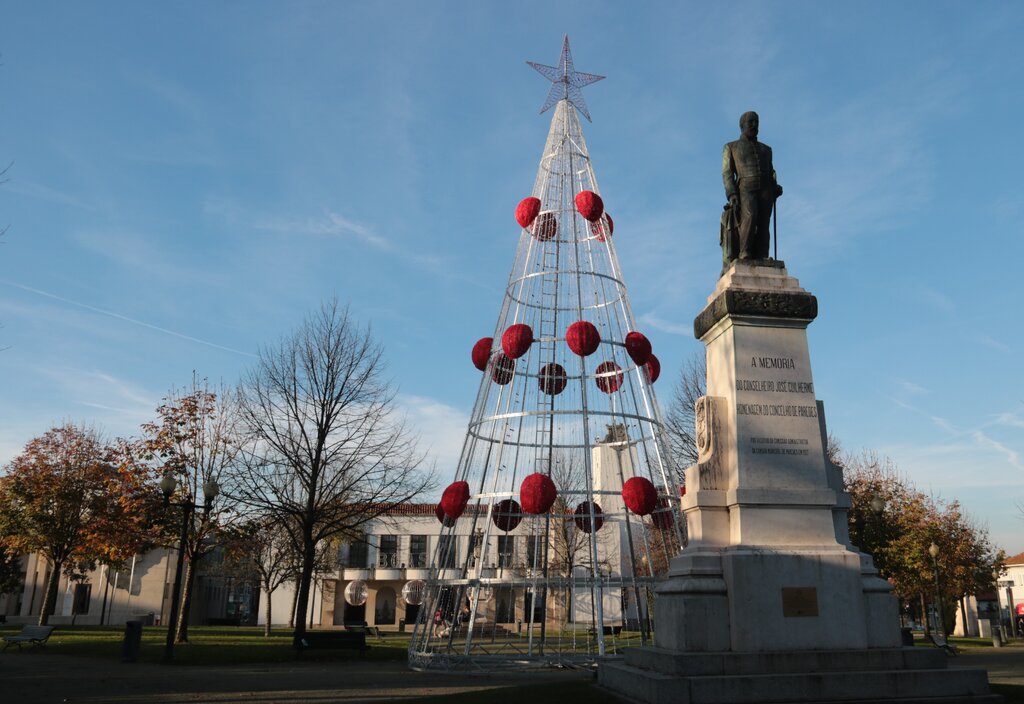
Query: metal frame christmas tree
[[563, 497]]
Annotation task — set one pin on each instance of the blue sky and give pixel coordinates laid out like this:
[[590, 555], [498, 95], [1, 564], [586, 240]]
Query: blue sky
[[190, 179]]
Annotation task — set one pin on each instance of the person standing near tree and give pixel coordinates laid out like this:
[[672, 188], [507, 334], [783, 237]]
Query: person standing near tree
[[751, 188]]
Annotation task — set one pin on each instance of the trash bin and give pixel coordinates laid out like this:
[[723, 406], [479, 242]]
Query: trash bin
[[401, 625], [132, 642], [906, 637]]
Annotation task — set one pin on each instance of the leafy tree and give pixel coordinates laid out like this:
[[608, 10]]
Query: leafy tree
[[899, 531], [69, 496], [193, 440], [328, 452], [11, 573]]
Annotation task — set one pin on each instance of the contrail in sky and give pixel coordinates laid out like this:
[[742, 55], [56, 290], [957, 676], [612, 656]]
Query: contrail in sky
[[125, 318]]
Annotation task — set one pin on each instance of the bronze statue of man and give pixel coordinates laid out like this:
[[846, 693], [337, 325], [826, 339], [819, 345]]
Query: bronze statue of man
[[752, 189]]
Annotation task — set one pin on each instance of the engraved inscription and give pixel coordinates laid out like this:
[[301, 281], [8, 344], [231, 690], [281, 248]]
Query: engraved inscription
[[779, 446]]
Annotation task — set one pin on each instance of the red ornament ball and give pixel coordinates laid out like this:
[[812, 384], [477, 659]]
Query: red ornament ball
[[590, 205], [526, 211], [454, 499], [552, 379], [638, 347], [445, 520], [583, 517], [482, 352], [503, 370], [608, 376], [663, 517], [583, 338], [639, 495], [603, 227], [545, 227], [653, 369], [682, 490], [537, 493], [516, 340], [507, 515]]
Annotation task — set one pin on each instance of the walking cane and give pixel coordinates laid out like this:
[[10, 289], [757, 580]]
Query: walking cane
[[775, 226]]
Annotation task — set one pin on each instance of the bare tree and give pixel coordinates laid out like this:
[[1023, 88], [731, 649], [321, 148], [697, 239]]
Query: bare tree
[[263, 549], [328, 452], [679, 420]]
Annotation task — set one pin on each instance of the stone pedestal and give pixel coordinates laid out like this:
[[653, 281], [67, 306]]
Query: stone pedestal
[[769, 601]]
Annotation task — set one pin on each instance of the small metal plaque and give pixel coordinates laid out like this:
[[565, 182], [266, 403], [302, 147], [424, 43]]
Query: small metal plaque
[[799, 601]]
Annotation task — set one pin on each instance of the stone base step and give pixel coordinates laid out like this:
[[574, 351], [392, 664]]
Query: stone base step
[[771, 663], [931, 686]]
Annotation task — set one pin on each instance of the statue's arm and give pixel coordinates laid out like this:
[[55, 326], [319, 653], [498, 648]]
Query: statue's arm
[[728, 169]]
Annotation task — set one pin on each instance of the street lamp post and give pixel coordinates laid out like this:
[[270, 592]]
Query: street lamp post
[[933, 550], [168, 485]]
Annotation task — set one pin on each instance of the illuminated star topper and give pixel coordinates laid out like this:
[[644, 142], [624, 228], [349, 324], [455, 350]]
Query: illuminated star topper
[[566, 82]]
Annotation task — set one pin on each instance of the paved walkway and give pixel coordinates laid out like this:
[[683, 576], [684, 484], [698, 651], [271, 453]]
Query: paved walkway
[[31, 678], [37, 678]]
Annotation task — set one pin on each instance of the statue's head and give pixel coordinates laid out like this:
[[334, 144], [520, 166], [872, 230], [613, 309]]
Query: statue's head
[[748, 124]]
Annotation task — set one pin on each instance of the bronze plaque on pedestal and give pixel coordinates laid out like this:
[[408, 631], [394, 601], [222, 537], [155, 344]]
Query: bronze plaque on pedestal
[[799, 601]]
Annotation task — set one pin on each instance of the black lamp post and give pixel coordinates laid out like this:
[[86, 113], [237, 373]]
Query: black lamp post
[[933, 550], [210, 490]]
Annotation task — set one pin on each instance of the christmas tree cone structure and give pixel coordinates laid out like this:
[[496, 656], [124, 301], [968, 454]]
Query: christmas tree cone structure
[[568, 575]]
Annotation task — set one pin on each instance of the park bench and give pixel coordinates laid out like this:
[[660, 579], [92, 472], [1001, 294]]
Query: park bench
[[941, 642], [335, 640], [36, 635]]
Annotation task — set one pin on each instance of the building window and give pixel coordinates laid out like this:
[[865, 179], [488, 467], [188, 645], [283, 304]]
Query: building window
[[475, 542], [534, 556], [83, 593], [417, 551], [387, 553], [506, 550], [357, 554], [447, 549]]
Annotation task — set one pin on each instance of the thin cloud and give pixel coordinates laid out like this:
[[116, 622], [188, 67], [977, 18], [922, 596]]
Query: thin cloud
[[125, 318], [653, 321], [985, 441]]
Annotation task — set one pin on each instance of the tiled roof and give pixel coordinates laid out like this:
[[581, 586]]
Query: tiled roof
[[1016, 559]]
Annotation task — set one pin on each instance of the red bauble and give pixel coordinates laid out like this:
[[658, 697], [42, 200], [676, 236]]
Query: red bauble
[[590, 205], [454, 499], [583, 338], [516, 340], [545, 227], [503, 369], [682, 490], [445, 520], [608, 376], [482, 352], [526, 211], [507, 514], [639, 495], [638, 347], [653, 369], [583, 517], [663, 518], [537, 493], [552, 379], [602, 226]]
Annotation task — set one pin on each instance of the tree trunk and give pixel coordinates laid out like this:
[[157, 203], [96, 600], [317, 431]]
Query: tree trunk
[[308, 557], [50, 595], [295, 602], [924, 615], [266, 627], [186, 601]]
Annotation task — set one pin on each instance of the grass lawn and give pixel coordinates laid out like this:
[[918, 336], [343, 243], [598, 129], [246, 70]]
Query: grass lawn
[[208, 645]]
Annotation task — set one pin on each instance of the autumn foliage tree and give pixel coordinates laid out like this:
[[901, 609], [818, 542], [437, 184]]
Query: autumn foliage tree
[[193, 440], [898, 530], [263, 549], [75, 500]]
